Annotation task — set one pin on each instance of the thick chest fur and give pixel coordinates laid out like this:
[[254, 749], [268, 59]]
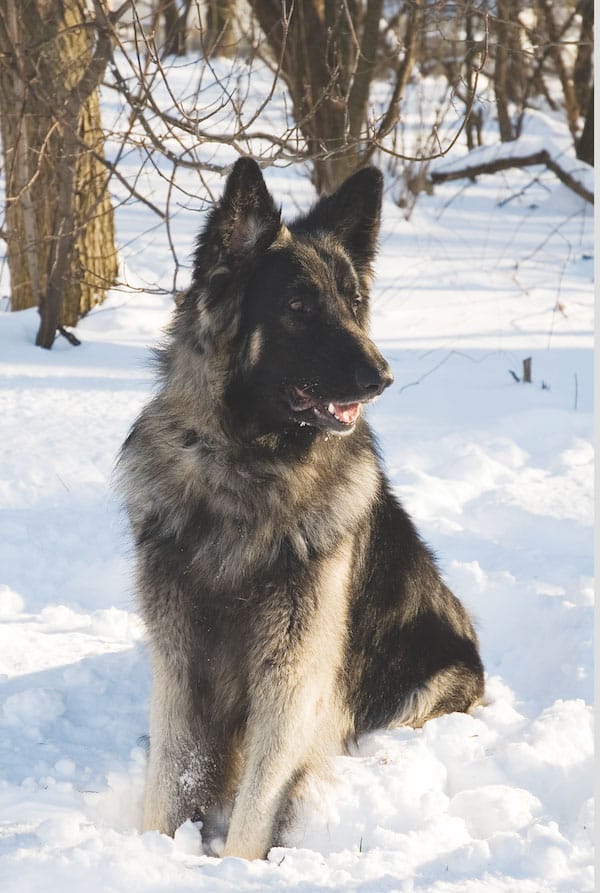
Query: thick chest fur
[[281, 613], [240, 519], [245, 569]]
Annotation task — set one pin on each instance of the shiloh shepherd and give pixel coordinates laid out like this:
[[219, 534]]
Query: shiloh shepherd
[[290, 603]]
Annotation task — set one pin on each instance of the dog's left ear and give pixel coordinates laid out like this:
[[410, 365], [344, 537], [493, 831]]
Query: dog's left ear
[[246, 216], [353, 214]]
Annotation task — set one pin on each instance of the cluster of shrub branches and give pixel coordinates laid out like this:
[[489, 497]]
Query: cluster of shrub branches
[[338, 72]]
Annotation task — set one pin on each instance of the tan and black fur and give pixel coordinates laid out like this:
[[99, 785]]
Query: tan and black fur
[[289, 601]]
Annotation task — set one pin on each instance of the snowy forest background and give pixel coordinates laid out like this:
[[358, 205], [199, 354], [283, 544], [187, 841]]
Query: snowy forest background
[[118, 123]]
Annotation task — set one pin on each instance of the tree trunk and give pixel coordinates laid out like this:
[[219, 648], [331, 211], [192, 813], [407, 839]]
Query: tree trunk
[[501, 69], [358, 98], [582, 70], [564, 75], [314, 44], [472, 127], [174, 42], [402, 74], [328, 51], [585, 145], [219, 39], [59, 218]]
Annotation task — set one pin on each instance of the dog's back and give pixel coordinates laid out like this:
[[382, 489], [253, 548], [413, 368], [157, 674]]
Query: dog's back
[[289, 601]]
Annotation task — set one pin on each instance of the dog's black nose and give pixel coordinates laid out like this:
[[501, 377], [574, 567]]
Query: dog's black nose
[[373, 380]]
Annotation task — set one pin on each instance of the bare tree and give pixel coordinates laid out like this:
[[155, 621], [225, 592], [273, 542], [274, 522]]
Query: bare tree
[[346, 66], [565, 75], [585, 144], [329, 54], [532, 44], [174, 15], [59, 219], [218, 37], [582, 71], [506, 29]]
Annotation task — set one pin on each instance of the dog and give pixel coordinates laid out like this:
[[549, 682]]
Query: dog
[[290, 603]]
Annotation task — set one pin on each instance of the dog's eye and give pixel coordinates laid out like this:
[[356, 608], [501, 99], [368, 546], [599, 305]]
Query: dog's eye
[[357, 302], [298, 306]]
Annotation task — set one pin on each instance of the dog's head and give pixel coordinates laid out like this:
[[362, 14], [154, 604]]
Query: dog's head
[[283, 312]]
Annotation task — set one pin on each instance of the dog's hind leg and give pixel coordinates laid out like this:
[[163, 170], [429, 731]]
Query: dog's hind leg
[[453, 690], [440, 647]]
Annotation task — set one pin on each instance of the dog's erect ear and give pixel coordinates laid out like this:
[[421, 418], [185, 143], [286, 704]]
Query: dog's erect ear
[[353, 214], [246, 216], [240, 228]]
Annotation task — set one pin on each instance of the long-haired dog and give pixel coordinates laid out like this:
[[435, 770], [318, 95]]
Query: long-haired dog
[[289, 601]]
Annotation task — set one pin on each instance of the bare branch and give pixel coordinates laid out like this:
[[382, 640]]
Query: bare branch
[[502, 164]]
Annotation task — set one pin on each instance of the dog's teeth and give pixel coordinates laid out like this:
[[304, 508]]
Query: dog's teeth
[[331, 408]]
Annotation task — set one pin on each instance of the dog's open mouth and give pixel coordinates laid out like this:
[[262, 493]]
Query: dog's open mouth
[[338, 417]]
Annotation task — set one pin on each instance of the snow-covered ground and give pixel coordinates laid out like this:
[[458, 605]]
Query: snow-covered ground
[[497, 474]]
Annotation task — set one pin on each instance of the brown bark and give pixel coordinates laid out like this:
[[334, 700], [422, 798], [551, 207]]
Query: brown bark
[[174, 41], [585, 144], [566, 81], [59, 220], [582, 71], [358, 98], [219, 39], [402, 75], [474, 124], [314, 69], [503, 28]]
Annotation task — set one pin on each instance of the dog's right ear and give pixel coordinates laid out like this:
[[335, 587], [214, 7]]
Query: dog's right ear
[[245, 221]]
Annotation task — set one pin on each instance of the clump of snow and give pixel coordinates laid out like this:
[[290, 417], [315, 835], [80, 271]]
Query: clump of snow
[[32, 709], [11, 603], [187, 838], [494, 809]]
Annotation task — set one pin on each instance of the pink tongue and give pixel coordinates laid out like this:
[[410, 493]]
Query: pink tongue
[[346, 413]]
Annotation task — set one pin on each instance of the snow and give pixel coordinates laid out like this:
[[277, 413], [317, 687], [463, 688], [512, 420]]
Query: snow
[[540, 132], [498, 476]]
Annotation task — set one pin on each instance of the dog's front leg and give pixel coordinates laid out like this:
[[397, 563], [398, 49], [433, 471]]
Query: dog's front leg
[[279, 738], [181, 768], [297, 716]]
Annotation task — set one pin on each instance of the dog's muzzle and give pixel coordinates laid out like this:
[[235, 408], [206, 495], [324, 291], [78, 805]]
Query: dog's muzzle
[[340, 415]]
